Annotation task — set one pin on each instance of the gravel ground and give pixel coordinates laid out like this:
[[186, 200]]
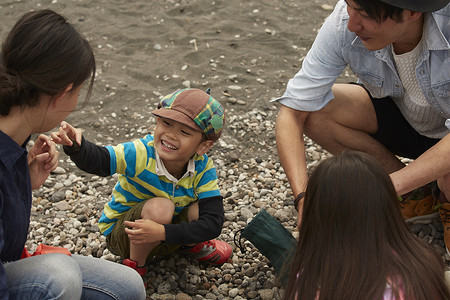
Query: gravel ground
[[67, 208], [245, 51]]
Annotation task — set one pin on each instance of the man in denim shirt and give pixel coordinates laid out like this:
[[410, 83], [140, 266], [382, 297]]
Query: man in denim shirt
[[400, 52]]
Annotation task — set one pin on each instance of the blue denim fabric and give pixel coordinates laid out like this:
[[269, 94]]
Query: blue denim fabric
[[58, 276], [335, 47]]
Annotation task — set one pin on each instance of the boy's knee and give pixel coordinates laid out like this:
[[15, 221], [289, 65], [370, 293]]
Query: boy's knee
[[158, 209]]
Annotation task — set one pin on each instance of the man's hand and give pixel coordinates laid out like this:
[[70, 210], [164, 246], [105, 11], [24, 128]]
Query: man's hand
[[42, 159], [145, 231]]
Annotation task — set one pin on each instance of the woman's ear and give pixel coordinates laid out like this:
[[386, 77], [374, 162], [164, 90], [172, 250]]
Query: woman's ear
[[56, 100], [204, 147]]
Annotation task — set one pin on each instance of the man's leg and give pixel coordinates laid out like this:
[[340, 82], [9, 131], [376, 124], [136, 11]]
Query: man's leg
[[347, 122], [375, 126]]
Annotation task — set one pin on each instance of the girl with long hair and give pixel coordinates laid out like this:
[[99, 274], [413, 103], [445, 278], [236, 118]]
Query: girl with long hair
[[44, 63], [353, 242]]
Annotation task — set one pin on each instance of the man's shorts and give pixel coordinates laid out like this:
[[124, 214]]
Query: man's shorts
[[395, 133], [119, 243]]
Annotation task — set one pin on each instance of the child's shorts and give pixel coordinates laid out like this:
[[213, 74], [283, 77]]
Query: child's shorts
[[119, 243]]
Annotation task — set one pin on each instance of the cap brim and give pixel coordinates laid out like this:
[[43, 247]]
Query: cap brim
[[177, 117], [421, 6]]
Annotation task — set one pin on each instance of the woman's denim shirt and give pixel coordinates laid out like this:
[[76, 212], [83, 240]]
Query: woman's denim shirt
[[335, 47]]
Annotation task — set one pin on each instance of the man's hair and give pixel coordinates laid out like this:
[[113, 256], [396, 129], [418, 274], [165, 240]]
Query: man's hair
[[380, 11]]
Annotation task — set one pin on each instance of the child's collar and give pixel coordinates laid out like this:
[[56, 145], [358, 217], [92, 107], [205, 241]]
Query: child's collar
[[160, 168]]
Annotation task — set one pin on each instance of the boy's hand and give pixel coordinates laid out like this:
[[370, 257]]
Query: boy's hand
[[145, 231], [67, 134], [42, 159]]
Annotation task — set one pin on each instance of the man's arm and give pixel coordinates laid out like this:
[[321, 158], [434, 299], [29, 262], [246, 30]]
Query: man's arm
[[431, 165], [291, 148]]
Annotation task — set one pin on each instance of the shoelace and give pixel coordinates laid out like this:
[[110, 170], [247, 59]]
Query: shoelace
[[444, 213], [208, 244], [238, 241]]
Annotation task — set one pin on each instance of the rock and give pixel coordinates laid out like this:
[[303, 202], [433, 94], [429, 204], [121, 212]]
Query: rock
[[58, 196]]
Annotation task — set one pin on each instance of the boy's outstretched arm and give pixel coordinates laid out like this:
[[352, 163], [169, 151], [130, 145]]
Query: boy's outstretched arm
[[67, 135], [86, 155]]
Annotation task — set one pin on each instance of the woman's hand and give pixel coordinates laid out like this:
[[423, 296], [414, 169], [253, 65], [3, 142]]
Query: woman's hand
[[42, 160]]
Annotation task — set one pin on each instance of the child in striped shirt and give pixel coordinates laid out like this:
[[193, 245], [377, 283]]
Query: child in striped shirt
[[167, 197]]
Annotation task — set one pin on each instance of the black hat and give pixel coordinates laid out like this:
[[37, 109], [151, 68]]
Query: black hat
[[418, 5]]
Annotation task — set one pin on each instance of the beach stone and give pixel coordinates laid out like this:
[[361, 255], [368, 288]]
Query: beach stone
[[59, 170], [266, 294], [233, 292], [190, 289], [58, 196], [62, 205], [252, 294], [183, 296], [164, 288], [164, 297]]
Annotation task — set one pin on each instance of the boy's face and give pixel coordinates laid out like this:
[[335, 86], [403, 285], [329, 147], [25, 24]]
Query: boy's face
[[176, 142], [374, 35]]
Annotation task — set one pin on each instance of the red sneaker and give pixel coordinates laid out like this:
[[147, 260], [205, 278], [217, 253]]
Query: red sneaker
[[132, 264], [214, 252]]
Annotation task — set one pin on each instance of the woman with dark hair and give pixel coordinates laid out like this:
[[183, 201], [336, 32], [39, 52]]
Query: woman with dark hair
[[353, 242], [44, 63]]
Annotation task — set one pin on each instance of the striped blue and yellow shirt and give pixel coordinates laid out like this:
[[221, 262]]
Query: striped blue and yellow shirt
[[136, 164]]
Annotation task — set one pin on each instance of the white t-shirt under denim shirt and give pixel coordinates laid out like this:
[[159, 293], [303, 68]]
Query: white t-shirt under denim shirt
[[413, 105], [335, 47]]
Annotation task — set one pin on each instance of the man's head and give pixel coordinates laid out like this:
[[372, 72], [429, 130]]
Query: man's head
[[378, 23]]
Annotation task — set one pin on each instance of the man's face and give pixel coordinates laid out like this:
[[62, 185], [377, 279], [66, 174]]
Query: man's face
[[374, 35]]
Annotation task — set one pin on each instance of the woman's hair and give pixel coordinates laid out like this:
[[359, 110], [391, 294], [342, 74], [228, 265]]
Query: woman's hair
[[42, 54], [353, 239], [380, 11]]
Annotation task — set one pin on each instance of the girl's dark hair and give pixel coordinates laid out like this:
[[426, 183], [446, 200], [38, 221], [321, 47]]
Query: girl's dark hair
[[42, 54], [380, 11], [353, 239]]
